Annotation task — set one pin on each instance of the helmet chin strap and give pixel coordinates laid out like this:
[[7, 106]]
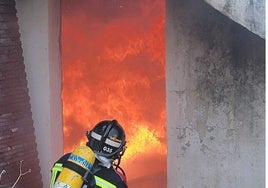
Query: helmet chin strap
[[104, 161]]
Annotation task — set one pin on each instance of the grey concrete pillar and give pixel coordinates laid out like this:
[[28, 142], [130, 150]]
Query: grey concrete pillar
[[215, 83], [39, 23], [248, 13]]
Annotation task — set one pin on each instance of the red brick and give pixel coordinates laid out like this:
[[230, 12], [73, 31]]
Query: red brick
[[17, 138]]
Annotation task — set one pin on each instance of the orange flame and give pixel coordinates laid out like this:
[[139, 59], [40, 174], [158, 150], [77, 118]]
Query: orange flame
[[144, 140], [113, 68]]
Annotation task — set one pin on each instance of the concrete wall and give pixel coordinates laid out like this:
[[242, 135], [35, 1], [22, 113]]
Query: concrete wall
[[215, 99], [39, 23], [248, 13]]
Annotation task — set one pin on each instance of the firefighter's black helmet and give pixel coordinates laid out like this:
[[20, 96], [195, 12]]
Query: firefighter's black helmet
[[107, 139]]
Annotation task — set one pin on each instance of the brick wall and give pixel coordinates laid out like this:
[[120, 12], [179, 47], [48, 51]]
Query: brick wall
[[17, 139]]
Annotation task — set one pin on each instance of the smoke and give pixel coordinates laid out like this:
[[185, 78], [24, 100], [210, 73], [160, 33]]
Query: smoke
[[113, 68]]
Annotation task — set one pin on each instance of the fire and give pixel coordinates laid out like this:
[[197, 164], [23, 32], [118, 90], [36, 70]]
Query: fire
[[113, 68], [144, 140], [121, 52]]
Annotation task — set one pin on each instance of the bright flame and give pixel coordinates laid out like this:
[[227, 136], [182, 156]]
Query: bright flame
[[113, 68], [143, 140]]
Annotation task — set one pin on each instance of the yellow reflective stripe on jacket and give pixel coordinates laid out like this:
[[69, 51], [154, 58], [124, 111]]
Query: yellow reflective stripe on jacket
[[57, 168], [54, 172], [103, 183]]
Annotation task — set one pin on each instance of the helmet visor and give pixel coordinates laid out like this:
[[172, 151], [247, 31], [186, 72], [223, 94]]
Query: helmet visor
[[105, 146]]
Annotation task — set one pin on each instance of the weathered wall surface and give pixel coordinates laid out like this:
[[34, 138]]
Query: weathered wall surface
[[39, 23], [17, 138], [215, 99], [248, 13]]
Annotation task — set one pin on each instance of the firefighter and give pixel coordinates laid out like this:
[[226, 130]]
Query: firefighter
[[108, 142]]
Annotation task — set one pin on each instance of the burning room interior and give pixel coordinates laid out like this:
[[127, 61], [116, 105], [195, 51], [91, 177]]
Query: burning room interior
[[113, 67]]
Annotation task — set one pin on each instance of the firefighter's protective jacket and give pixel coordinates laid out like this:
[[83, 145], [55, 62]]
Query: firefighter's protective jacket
[[103, 177]]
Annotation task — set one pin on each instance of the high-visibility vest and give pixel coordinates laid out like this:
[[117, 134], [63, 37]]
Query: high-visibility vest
[[102, 183], [57, 168]]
